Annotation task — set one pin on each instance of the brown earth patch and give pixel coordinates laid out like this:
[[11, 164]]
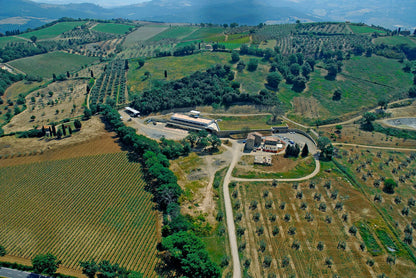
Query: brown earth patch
[[93, 139], [307, 107]]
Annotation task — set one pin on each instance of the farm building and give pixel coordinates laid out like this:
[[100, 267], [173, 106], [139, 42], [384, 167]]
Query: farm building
[[253, 140], [272, 144], [193, 123], [132, 112]]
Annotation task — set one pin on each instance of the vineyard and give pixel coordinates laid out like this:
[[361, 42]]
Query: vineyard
[[78, 209], [319, 228], [111, 84]]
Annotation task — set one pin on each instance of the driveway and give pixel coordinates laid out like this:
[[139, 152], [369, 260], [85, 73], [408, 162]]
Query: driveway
[[13, 273]]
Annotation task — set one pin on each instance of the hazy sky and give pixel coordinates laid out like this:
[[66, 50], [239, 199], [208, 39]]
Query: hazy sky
[[103, 3]]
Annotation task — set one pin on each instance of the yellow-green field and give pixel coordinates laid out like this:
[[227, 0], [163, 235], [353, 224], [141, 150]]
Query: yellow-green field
[[45, 65], [78, 209]]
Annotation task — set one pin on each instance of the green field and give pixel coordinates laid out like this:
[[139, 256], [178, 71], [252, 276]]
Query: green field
[[5, 40], [238, 122], [364, 29], [207, 34], [56, 62], [53, 31], [78, 209], [175, 32], [113, 28], [396, 40], [362, 82], [177, 67]]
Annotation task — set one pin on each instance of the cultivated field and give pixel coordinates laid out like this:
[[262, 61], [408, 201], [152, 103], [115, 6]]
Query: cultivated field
[[53, 31], [45, 65], [304, 230], [65, 101], [142, 34], [119, 29], [6, 40], [370, 168], [80, 208], [364, 29]]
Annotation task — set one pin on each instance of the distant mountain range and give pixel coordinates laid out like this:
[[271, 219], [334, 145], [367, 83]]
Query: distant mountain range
[[23, 14]]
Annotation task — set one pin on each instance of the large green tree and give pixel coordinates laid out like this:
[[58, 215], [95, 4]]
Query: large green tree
[[2, 251], [45, 264], [325, 145], [274, 79], [188, 256], [89, 268]]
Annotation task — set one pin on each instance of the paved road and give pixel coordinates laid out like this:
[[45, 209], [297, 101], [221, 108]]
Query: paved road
[[236, 151], [13, 273]]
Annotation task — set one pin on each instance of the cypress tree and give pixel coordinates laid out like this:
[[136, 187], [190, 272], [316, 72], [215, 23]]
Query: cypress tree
[[70, 130], [63, 130], [54, 130], [305, 151]]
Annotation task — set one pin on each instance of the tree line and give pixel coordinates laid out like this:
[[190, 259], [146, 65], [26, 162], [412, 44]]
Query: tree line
[[183, 253]]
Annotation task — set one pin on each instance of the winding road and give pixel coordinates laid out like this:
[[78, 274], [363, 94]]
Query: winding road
[[237, 149]]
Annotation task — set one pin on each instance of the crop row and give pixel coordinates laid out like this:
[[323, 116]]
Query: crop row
[[111, 84], [82, 208]]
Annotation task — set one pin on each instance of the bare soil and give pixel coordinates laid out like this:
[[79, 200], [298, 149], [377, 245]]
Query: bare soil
[[91, 140]]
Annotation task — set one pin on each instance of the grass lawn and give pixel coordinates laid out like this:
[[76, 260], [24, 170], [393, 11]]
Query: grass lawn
[[119, 29], [177, 67], [396, 40], [5, 40], [45, 65], [238, 122], [53, 31], [364, 29]]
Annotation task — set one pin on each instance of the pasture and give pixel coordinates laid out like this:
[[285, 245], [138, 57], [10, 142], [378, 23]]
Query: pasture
[[52, 31], [362, 82], [113, 28], [45, 65], [176, 67], [304, 229], [396, 40], [80, 208]]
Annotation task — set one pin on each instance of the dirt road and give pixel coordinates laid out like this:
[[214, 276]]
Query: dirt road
[[236, 151]]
